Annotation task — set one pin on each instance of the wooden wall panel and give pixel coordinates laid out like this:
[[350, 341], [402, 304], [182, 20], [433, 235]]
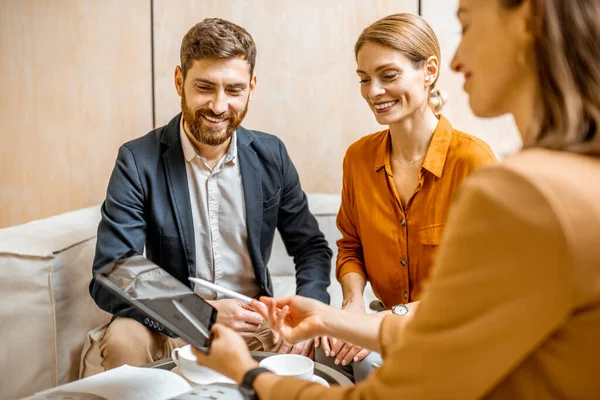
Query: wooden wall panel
[[308, 92], [500, 133], [76, 83]]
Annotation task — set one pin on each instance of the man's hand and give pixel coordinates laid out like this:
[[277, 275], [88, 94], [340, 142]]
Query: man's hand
[[238, 316], [305, 348]]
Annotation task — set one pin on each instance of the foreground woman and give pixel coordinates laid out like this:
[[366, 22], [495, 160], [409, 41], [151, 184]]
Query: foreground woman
[[512, 309]]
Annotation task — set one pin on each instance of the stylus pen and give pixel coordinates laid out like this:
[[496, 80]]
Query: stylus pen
[[188, 315], [222, 290]]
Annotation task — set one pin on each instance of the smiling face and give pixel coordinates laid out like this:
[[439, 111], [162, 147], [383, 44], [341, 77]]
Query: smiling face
[[214, 97], [391, 84], [494, 56]]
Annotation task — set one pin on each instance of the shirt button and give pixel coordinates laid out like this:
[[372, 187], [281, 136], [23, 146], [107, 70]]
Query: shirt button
[[406, 295], [403, 222], [403, 262]]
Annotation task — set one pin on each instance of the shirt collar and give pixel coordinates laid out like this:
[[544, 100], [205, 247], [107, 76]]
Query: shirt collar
[[189, 151], [435, 158], [382, 156]]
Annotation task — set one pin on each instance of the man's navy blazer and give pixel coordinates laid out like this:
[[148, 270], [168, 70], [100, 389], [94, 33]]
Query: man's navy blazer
[[148, 205]]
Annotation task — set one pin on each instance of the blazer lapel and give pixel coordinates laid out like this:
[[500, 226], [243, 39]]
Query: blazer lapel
[[251, 183], [177, 184]]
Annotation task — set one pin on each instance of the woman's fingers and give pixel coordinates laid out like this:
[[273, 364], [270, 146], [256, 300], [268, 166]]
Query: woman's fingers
[[278, 302], [272, 313], [261, 308], [353, 355], [326, 345], [341, 354], [280, 322], [336, 346]]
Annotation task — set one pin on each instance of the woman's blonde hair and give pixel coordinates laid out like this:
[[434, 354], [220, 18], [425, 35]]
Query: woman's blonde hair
[[411, 35], [567, 49]]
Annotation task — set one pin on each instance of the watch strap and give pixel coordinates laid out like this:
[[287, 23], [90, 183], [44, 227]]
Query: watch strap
[[246, 386]]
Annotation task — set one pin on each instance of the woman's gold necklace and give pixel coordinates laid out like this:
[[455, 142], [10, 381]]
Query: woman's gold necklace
[[408, 162]]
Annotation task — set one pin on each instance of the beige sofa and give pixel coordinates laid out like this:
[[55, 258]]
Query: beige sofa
[[45, 308]]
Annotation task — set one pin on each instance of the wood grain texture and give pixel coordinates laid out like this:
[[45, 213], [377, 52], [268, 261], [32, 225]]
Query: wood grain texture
[[500, 133], [76, 83], [308, 93]]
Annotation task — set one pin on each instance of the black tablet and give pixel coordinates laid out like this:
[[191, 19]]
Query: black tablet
[[162, 297]]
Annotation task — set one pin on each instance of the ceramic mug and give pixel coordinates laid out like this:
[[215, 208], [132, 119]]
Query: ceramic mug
[[290, 365]]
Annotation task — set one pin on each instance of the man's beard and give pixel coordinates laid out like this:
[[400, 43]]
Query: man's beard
[[205, 134]]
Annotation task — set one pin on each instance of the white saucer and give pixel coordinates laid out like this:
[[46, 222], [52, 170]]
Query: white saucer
[[204, 379], [318, 379], [223, 379]]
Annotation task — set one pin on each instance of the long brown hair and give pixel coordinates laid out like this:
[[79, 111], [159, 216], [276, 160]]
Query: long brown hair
[[411, 35], [567, 49]]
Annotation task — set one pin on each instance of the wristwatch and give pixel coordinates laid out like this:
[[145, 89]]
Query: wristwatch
[[246, 386], [399, 309]]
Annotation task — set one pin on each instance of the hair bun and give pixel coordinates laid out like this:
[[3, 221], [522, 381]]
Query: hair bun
[[437, 100]]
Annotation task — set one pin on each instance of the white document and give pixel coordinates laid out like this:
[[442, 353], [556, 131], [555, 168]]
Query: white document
[[123, 383]]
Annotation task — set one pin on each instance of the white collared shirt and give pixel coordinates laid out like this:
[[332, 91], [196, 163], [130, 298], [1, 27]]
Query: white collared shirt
[[219, 214]]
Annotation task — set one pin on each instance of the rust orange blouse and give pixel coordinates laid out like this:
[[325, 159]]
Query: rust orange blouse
[[389, 246]]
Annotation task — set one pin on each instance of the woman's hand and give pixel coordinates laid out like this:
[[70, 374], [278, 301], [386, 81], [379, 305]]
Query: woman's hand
[[295, 318], [345, 352], [229, 354], [305, 348]]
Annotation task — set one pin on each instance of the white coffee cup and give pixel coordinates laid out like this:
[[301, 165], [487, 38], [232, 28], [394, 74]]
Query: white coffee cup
[[290, 365], [186, 361]]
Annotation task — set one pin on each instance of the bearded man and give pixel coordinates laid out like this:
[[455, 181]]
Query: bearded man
[[203, 196]]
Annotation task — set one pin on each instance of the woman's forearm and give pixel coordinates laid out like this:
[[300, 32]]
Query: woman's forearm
[[353, 287], [359, 329]]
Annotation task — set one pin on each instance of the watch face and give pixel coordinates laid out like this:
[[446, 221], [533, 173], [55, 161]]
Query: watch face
[[400, 309]]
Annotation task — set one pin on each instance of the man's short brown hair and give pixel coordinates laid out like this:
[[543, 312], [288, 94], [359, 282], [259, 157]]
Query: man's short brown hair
[[216, 38]]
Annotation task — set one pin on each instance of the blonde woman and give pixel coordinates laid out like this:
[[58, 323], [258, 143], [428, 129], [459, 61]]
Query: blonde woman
[[398, 183], [512, 308]]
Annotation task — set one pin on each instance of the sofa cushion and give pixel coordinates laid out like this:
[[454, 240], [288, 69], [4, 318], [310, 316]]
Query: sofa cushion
[[281, 266], [324, 207], [45, 268]]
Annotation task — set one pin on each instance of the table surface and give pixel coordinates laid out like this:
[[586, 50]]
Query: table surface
[[332, 376]]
